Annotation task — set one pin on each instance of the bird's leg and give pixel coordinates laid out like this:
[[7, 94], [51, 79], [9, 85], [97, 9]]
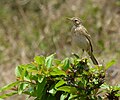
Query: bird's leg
[[75, 55]]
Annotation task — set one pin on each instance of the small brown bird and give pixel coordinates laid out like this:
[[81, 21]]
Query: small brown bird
[[81, 38]]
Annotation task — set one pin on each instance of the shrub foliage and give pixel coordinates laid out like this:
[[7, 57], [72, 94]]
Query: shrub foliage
[[47, 78]]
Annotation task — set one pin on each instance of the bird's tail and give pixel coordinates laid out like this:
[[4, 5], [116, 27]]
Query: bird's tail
[[93, 58]]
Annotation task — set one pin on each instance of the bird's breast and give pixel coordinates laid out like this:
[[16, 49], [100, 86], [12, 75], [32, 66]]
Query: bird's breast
[[80, 40]]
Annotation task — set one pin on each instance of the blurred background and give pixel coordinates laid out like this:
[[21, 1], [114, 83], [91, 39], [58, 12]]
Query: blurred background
[[39, 27]]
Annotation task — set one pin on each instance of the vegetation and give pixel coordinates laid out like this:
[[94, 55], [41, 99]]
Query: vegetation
[[48, 78]]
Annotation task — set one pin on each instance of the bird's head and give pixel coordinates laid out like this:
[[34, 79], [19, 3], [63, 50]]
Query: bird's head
[[76, 21]]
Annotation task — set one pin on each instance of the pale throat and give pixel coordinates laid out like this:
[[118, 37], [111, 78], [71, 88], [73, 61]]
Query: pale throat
[[78, 28]]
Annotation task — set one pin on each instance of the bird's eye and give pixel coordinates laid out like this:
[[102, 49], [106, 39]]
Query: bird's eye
[[76, 20]]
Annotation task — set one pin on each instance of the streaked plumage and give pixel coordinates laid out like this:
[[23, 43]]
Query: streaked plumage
[[81, 38]]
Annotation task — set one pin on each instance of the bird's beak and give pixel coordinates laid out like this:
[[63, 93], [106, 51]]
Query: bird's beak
[[69, 19]]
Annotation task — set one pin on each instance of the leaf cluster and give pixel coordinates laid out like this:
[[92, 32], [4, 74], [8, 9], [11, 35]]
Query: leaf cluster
[[47, 78]]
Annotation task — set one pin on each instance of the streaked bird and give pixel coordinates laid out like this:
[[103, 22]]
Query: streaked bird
[[81, 38]]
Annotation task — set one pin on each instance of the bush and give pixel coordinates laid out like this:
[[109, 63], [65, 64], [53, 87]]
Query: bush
[[47, 78]]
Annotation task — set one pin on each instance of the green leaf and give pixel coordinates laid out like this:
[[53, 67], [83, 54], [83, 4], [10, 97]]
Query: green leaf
[[49, 60], [30, 67], [18, 71], [109, 64], [116, 87], [118, 94], [61, 82], [52, 91], [68, 89], [40, 88], [63, 96], [66, 64], [9, 86], [57, 61], [27, 76], [105, 86], [40, 78], [40, 60], [8, 95], [22, 87], [71, 97], [57, 71]]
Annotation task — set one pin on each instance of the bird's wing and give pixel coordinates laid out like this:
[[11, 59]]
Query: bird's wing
[[87, 36]]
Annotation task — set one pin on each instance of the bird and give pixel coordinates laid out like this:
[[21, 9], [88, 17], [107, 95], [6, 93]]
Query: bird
[[81, 38]]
